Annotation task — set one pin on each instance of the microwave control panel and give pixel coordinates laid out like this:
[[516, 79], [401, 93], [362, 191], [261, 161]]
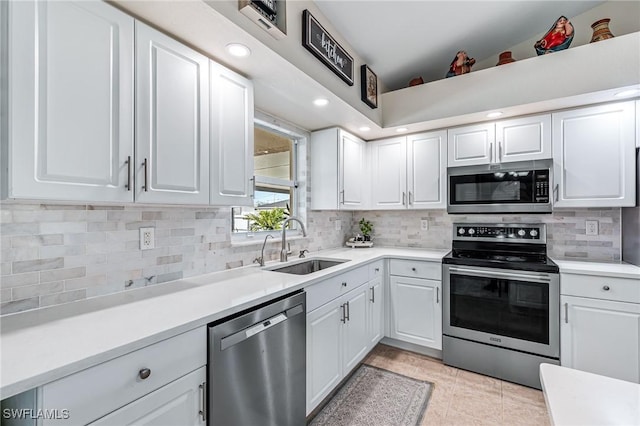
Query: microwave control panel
[[541, 179]]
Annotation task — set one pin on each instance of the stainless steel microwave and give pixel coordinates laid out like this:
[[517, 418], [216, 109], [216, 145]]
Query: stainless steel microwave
[[522, 187]]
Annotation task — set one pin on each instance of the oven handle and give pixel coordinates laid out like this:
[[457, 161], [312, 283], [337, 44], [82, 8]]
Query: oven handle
[[497, 274]]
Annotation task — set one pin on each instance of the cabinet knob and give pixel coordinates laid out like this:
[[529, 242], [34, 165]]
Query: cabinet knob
[[377, 269], [144, 373], [344, 284], [606, 288], [413, 269]]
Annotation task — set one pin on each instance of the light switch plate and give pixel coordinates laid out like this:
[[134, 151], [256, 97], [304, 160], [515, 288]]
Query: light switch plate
[[424, 225], [591, 227]]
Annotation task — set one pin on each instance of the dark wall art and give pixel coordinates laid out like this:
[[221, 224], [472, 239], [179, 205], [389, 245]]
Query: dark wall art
[[320, 43]]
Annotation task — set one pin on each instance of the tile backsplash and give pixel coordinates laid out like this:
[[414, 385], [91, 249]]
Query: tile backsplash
[[53, 254], [566, 238]]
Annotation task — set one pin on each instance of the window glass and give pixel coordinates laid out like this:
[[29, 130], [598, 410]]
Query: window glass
[[275, 184]]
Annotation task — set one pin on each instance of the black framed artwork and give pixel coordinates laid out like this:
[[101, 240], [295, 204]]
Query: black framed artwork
[[368, 86], [320, 43]]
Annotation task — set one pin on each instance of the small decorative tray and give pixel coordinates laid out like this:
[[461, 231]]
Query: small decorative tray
[[355, 244]]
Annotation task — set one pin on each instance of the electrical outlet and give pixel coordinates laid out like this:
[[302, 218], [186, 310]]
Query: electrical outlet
[[338, 224], [591, 227], [424, 225], [147, 238]]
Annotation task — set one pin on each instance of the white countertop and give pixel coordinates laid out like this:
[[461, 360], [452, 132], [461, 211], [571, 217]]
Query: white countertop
[[37, 347], [620, 270], [579, 398]]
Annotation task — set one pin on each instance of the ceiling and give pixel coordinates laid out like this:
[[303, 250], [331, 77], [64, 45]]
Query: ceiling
[[402, 39]]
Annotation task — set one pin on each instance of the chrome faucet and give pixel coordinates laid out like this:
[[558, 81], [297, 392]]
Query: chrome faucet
[[284, 252], [260, 259]]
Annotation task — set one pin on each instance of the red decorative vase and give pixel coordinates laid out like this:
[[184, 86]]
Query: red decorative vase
[[601, 30], [505, 58]]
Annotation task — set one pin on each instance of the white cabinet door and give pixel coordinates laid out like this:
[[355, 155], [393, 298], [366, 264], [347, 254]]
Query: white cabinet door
[[601, 337], [231, 138], [471, 145], [376, 311], [593, 156], [388, 173], [71, 103], [356, 328], [353, 174], [416, 311], [427, 170], [172, 120], [178, 403], [527, 138], [324, 351]]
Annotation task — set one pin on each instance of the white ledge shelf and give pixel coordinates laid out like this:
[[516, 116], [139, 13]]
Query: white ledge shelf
[[582, 75]]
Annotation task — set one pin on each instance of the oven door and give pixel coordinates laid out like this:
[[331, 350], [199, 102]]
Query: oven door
[[501, 307]]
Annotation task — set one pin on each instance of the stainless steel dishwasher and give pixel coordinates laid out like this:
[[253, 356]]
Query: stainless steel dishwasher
[[257, 363]]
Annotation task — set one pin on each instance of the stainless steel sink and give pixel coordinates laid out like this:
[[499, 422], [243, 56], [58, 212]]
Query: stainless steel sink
[[308, 266]]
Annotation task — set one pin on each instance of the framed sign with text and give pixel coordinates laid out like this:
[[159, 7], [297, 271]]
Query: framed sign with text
[[320, 43]]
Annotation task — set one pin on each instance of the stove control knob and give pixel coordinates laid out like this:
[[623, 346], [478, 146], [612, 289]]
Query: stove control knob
[[472, 231], [461, 231], [521, 233], [533, 233]]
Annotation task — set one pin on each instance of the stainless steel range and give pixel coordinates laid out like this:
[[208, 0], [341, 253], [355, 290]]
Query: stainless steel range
[[501, 301]]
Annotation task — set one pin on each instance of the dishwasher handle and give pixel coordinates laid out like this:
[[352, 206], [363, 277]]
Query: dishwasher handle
[[260, 327]]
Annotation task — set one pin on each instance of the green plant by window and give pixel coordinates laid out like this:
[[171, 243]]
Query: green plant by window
[[366, 227], [267, 220]]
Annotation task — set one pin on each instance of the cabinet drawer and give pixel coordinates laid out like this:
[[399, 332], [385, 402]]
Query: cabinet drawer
[[327, 290], [96, 391], [599, 287], [416, 269], [376, 269]]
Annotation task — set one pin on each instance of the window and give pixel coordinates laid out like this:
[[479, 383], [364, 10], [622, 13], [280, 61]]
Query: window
[[275, 173]]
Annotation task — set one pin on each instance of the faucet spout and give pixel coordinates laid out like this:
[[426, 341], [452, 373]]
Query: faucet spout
[[283, 252]]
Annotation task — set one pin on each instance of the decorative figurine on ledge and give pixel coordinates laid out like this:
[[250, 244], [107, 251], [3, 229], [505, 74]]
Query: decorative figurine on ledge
[[461, 64], [558, 37]]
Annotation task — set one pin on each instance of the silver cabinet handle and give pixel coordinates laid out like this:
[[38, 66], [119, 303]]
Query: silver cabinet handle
[[344, 315], [348, 316], [410, 198], [373, 295], [203, 401], [128, 186], [556, 193], [342, 197], [500, 151], [344, 284], [253, 187], [404, 196], [145, 164], [491, 152], [606, 288], [144, 373], [437, 295], [566, 313], [377, 269]]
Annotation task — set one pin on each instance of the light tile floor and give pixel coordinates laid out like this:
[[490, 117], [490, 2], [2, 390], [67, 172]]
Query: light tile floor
[[461, 397]]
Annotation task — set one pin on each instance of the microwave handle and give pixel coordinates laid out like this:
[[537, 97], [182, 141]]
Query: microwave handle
[[499, 151]]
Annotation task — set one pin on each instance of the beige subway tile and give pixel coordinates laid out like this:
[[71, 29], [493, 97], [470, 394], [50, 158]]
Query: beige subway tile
[[19, 305], [62, 274], [64, 297], [28, 291], [37, 265]]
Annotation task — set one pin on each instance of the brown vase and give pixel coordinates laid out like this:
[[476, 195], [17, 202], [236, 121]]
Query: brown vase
[[505, 58], [601, 30]]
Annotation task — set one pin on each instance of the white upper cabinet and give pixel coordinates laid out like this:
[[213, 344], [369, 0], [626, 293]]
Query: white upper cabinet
[[519, 139], [231, 138], [70, 102], [172, 120], [427, 170], [409, 172], [593, 156], [338, 171]]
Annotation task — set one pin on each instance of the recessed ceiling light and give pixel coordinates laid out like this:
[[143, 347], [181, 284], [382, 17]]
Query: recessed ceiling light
[[626, 93], [365, 129], [401, 129], [494, 114], [321, 102], [238, 50]]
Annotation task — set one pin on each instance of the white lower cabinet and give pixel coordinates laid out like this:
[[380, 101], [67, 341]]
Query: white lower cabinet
[[599, 333], [178, 403], [342, 331], [158, 384], [415, 308]]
